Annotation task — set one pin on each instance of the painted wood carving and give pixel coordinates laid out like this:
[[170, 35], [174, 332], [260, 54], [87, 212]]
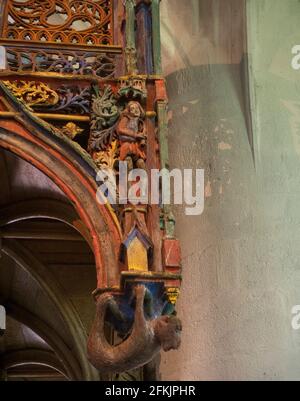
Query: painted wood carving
[[59, 21], [74, 87]]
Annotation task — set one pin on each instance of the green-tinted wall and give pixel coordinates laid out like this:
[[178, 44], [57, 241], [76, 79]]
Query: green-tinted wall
[[241, 258]]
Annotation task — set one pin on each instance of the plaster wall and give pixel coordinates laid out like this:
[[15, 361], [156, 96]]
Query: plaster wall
[[240, 122]]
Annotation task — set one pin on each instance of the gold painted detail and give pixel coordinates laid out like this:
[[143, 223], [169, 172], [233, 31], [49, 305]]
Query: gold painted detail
[[48, 116], [137, 258], [107, 159], [151, 114], [71, 130], [173, 294], [33, 93]]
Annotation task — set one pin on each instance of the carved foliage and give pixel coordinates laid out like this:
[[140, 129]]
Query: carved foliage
[[39, 96], [73, 99], [86, 22], [113, 122], [33, 93], [71, 130], [60, 61], [109, 157], [105, 114]]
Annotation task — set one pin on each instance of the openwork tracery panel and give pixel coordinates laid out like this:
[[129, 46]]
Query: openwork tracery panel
[[61, 61], [85, 22]]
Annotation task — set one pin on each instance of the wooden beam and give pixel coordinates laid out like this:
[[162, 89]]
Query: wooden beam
[[34, 45], [48, 116]]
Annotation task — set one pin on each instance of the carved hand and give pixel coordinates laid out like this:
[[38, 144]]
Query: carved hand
[[140, 291]]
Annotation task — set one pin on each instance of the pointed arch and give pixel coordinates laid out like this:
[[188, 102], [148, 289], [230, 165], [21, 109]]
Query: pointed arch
[[27, 261], [51, 209], [75, 174], [49, 335], [32, 357]]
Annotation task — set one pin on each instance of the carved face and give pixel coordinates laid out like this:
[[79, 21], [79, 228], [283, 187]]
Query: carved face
[[168, 331], [134, 109]]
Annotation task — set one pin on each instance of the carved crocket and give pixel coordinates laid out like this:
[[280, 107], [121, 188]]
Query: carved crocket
[[144, 343]]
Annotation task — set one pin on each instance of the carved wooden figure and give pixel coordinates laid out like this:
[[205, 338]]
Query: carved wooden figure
[[132, 135], [146, 339], [73, 101]]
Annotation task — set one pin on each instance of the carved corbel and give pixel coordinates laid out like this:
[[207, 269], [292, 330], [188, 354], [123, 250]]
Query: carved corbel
[[143, 342]]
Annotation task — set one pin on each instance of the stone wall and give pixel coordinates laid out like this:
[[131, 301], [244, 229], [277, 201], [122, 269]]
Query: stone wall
[[235, 111]]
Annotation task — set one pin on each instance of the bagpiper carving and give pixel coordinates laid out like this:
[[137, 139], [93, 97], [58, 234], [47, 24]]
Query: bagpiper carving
[[132, 136], [117, 118]]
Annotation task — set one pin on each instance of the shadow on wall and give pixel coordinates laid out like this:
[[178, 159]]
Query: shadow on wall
[[193, 96], [210, 37], [202, 32], [241, 256], [208, 130]]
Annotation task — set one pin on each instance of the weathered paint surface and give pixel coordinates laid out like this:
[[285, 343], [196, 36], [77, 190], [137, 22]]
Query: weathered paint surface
[[241, 258]]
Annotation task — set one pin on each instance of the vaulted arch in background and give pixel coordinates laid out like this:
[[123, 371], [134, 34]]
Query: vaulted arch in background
[[32, 357], [68, 361], [18, 224], [43, 208], [75, 175], [51, 288]]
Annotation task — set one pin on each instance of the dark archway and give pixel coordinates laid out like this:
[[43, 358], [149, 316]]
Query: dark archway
[[80, 188], [60, 213]]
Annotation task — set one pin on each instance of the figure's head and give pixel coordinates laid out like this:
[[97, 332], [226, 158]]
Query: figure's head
[[135, 109], [167, 331]]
